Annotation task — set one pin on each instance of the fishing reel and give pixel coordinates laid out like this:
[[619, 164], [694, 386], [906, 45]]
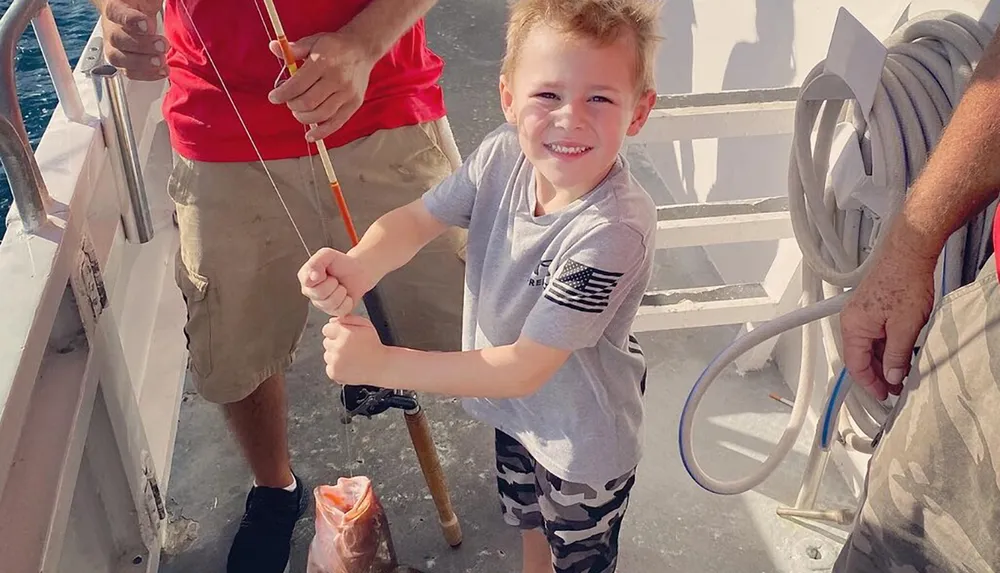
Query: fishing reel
[[370, 401]]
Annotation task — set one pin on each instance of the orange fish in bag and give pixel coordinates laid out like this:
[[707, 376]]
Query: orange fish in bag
[[352, 531]]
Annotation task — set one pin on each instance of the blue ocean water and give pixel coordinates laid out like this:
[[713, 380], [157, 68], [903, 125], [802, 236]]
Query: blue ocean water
[[76, 20]]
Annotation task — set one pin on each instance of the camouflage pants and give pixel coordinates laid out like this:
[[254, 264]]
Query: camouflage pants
[[581, 522], [932, 495]]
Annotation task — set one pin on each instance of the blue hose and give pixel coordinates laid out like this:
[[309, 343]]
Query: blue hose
[[833, 408]]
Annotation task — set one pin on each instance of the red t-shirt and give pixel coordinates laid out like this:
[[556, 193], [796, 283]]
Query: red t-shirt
[[403, 88]]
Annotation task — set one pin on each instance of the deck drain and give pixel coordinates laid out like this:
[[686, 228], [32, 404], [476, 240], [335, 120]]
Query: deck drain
[[814, 554]]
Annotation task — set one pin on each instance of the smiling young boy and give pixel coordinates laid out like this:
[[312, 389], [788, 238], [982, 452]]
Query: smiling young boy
[[560, 252]]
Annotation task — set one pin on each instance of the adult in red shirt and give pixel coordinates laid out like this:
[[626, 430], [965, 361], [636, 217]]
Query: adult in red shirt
[[370, 84]]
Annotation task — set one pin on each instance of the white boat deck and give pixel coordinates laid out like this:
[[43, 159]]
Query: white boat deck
[[672, 524]]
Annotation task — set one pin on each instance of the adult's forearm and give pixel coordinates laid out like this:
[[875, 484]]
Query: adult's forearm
[[962, 175], [383, 22]]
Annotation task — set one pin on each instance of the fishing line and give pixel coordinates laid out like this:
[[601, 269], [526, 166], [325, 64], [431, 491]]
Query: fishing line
[[246, 129]]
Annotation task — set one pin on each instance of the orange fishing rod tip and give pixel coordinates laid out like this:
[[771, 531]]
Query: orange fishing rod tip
[[286, 52], [345, 213]]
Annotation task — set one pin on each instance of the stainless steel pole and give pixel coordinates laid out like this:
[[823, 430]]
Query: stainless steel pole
[[118, 135]]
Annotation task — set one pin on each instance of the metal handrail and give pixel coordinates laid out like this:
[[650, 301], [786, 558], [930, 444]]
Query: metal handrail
[[26, 181], [27, 185], [12, 25], [57, 62]]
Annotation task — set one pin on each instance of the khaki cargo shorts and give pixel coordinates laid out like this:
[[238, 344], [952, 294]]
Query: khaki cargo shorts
[[239, 252], [932, 496]]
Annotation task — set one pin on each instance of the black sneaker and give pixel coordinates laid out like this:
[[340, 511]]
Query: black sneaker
[[263, 542]]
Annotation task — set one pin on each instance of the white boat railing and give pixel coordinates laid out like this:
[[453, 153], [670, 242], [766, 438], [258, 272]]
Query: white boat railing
[[742, 113], [92, 352]]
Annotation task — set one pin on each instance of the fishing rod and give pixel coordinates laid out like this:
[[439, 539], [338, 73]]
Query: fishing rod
[[359, 400], [371, 400]]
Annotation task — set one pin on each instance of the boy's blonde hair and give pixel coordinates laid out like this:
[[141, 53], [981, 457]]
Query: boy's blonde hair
[[602, 21]]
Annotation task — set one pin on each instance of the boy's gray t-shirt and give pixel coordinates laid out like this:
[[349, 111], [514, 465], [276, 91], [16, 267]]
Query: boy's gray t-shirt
[[572, 279]]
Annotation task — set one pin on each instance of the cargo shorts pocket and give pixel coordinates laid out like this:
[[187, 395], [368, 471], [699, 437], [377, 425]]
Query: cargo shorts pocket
[[198, 329]]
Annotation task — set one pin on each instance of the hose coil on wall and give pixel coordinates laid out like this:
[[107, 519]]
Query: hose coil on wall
[[930, 62]]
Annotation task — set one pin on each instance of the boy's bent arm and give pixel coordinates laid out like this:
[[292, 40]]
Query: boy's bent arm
[[395, 238], [511, 371]]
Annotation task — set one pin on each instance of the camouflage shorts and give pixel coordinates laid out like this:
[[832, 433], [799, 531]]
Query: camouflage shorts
[[932, 495], [581, 522]]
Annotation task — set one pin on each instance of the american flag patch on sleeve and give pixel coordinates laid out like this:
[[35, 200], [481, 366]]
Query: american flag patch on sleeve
[[582, 288]]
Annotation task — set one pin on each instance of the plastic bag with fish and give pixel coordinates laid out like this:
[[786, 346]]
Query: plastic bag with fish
[[352, 531]]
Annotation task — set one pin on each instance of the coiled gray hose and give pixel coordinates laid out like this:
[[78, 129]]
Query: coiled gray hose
[[931, 59]]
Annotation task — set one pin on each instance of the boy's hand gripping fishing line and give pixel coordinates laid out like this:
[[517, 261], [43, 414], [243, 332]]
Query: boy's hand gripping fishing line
[[357, 400]]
